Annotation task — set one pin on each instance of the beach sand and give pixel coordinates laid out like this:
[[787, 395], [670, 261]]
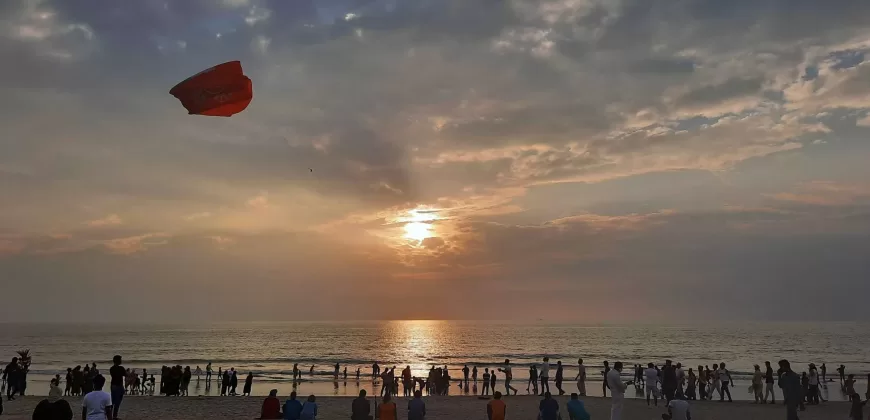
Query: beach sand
[[439, 408]]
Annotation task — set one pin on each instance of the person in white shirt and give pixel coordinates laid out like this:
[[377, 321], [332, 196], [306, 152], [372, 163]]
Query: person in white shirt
[[581, 377], [617, 391], [714, 384], [651, 378], [97, 404], [678, 410], [681, 379], [545, 376], [725, 380]]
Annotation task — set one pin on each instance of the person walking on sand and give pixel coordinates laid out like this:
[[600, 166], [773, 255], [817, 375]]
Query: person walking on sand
[[485, 382], [768, 384], [757, 385], [691, 382], [496, 409], [118, 373], [617, 391], [725, 379], [813, 396], [544, 375], [604, 384], [581, 377], [533, 379], [559, 377], [791, 389], [249, 382], [508, 377], [714, 381], [651, 379]]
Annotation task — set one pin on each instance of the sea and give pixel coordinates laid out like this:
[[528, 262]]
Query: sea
[[270, 349]]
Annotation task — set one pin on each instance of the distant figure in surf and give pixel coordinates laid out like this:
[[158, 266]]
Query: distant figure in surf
[[376, 370], [485, 382], [311, 371], [465, 372], [474, 374]]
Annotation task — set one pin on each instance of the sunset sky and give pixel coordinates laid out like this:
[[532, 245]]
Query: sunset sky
[[570, 160]]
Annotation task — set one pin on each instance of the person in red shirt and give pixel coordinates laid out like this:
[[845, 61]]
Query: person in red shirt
[[271, 406], [496, 408]]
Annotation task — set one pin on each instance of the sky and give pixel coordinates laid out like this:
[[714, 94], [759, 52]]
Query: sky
[[571, 160]]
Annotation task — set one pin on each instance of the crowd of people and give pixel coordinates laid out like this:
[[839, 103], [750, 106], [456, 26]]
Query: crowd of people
[[669, 382]]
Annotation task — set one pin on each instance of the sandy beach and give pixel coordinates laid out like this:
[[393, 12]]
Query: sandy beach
[[439, 408]]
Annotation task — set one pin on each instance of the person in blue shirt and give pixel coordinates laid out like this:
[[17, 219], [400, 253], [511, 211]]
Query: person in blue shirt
[[309, 409], [549, 408], [292, 408], [416, 407], [576, 409]]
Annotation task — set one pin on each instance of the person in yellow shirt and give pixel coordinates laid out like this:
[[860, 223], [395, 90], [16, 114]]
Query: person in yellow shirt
[[496, 408], [387, 410]]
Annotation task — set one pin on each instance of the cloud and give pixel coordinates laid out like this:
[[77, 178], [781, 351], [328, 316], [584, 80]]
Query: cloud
[[110, 220], [826, 193], [594, 146]]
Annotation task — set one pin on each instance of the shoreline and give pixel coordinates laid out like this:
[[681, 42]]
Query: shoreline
[[438, 408]]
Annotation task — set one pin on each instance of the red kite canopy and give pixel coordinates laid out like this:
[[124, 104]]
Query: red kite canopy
[[220, 91]]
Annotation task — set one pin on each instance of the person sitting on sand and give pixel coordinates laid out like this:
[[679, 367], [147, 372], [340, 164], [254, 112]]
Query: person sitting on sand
[[416, 407], [576, 409], [496, 409], [548, 408], [857, 410], [388, 410], [292, 408], [309, 409], [360, 409], [97, 404], [271, 406], [677, 410]]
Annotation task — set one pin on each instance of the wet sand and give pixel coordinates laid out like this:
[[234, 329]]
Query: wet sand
[[439, 408]]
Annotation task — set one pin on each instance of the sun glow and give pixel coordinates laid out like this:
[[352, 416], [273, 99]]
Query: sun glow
[[418, 225], [418, 231]]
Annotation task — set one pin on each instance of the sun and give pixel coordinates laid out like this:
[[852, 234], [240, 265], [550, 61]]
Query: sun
[[418, 231]]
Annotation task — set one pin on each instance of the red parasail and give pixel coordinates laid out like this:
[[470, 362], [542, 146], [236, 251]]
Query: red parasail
[[220, 91]]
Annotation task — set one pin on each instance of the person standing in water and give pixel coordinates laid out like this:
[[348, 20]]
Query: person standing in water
[[508, 376], [581, 377], [559, 377], [465, 372], [545, 376], [474, 374], [485, 382], [605, 385], [842, 371], [208, 372]]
